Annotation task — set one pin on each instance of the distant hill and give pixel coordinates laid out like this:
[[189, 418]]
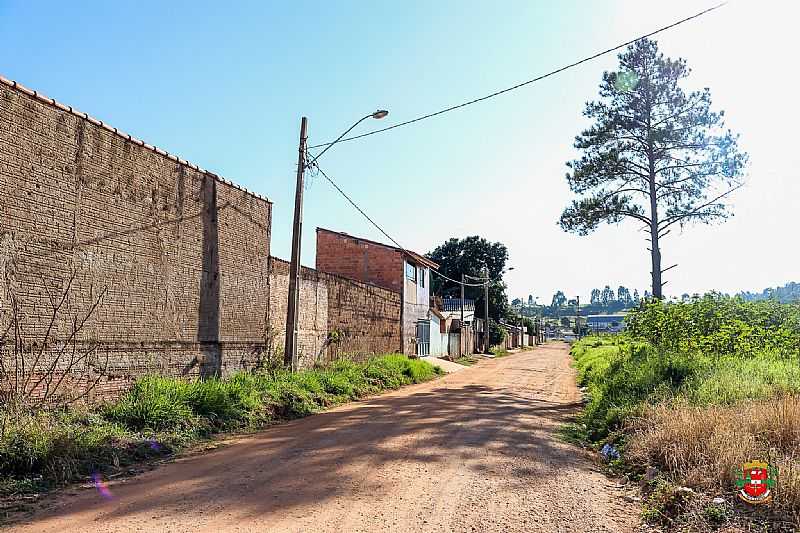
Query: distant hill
[[788, 293]]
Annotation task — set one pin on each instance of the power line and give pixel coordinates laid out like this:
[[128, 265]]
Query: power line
[[400, 246], [523, 84]]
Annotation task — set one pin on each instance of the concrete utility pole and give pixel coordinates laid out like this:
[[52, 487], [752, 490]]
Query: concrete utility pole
[[461, 324], [290, 345], [578, 316], [486, 344]]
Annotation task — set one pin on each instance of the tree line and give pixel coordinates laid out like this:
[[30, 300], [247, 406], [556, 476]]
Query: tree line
[[786, 294]]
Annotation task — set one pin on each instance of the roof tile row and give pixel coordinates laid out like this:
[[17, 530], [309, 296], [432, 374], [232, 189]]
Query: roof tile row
[[69, 109]]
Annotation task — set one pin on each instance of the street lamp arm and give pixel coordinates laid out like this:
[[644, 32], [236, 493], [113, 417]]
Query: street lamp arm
[[293, 303], [377, 114]]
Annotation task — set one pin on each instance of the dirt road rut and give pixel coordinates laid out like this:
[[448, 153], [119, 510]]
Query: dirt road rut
[[473, 451]]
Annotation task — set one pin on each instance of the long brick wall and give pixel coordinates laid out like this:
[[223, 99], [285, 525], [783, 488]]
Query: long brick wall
[[174, 257], [365, 319], [161, 266]]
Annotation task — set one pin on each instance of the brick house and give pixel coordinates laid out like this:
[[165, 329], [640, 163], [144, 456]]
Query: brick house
[[402, 271]]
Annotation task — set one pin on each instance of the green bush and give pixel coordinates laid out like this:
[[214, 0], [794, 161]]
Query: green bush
[[719, 325], [419, 371], [353, 373], [715, 350], [337, 385]]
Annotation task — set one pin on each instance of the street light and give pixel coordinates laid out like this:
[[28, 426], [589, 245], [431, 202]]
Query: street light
[[290, 344], [379, 114]]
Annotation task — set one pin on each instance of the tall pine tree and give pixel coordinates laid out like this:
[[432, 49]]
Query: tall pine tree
[[654, 154]]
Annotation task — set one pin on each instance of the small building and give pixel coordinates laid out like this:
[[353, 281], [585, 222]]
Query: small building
[[452, 308], [457, 338], [605, 323], [516, 336], [386, 266]]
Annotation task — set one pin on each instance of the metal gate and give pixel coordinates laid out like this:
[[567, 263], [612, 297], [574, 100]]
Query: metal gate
[[423, 338]]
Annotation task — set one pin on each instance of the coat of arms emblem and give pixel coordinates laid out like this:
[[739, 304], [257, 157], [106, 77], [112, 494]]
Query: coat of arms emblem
[[755, 481]]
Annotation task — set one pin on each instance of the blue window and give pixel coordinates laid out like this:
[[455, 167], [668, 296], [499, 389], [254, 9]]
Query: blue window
[[411, 271]]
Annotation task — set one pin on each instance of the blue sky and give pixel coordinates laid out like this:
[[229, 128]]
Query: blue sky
[[224, 85]]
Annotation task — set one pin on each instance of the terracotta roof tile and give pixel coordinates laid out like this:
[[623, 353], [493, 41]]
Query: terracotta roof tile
[[69, 109]]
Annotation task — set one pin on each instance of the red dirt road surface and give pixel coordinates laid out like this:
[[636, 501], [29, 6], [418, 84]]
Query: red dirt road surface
[[473, 451]]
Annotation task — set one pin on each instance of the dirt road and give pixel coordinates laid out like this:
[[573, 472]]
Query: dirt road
[[474, 451]]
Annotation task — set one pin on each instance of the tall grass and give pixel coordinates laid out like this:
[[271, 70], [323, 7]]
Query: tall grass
[[699, 388], [160, 415], [704, 445]]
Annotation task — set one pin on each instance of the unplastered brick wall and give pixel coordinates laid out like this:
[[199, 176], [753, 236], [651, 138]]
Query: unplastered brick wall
[[363, 319], [169, 262], [360, 259]]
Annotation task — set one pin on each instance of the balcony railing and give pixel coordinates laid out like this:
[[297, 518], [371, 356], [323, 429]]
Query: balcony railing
[[454, 304]]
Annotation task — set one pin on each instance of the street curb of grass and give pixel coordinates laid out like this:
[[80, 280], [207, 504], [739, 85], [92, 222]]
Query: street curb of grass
[[19, 507]]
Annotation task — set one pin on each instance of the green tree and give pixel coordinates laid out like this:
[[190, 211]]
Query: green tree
[[468, 256], [559, 300], [595, 297], [607, 296], [624, 295], [654, 154]]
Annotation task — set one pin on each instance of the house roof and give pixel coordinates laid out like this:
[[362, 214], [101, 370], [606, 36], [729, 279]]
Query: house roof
[[69, 109], [419, 258]]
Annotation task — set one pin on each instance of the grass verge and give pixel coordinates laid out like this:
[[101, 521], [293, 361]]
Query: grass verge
[[159, 416], [687, 409], [499, 351], [467, 360]]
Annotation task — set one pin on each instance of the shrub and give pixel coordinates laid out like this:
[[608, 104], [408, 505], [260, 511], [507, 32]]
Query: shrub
[[719, 325], [419, 371], [497, 333], [338, 385], [354, 374]]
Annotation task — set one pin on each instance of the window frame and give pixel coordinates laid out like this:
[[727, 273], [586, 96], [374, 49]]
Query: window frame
[[421, 276], [411, 268]]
